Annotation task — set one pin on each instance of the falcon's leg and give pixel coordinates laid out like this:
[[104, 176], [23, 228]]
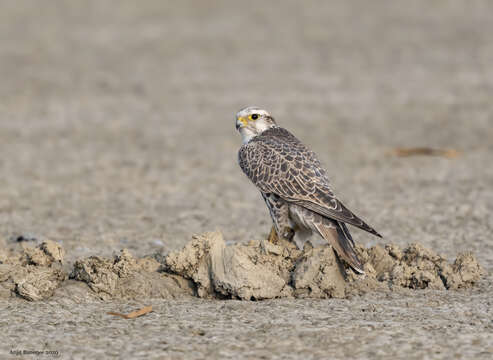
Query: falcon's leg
[[279, 212]]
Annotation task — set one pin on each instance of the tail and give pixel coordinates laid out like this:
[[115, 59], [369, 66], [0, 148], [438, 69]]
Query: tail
[[338, 236]]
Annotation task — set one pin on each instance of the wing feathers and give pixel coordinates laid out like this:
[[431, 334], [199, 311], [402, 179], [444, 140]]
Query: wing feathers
[[277, 162], [340, 213]]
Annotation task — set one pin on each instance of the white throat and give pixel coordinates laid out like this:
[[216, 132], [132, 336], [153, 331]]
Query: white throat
[[247, 134]]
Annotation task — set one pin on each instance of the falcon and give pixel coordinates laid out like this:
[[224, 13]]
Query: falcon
[[294, 186]]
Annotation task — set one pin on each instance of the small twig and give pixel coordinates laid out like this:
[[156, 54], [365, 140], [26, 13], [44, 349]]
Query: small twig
[[133, 314], [405, 152]]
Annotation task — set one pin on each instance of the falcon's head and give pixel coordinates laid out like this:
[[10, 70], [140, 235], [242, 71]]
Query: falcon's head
[[252, 121]]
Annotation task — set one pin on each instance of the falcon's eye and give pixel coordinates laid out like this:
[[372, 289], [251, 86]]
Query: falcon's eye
[[254, 116]]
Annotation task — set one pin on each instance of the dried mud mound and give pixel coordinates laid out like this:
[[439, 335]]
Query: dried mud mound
[[207, 268], [125, 277], [416, 267], [261, 270], [33, 273]]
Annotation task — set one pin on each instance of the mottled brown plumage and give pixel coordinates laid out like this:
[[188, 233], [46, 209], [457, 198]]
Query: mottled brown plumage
[[294, 185]]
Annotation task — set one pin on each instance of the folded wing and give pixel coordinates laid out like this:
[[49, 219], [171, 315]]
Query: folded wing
[[277, 162]]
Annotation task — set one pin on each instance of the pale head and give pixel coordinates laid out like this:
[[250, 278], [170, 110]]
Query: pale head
[[252, 121]]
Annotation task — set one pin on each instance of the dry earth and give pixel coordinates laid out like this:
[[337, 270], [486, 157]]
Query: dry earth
[[117, 131], [207, 268]]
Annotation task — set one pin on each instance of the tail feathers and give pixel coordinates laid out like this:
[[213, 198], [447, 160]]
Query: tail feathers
[[338, 236], [343, 231]]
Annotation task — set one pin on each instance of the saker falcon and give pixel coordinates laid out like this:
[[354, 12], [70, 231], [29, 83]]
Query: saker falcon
[[294, 185]]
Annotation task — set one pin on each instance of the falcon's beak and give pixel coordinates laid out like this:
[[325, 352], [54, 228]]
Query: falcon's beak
[[241, 121]]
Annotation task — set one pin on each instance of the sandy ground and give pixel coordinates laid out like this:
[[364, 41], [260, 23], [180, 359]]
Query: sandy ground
[[117, 130]]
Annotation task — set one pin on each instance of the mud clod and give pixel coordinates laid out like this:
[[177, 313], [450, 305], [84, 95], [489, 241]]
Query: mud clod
[[46, 254], [125, 277], [255, 272], [33, 273], [193, 262], [259, 270], [465, 272], [417, 267], [319, 274]]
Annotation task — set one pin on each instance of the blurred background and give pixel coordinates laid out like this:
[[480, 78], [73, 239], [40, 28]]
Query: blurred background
[[117, 117]]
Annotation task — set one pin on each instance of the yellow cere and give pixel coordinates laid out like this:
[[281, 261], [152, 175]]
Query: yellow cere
[[243, 120]]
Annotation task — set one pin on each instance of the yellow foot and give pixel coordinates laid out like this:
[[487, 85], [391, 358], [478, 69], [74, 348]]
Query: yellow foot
[[273, 236], [287, 235]]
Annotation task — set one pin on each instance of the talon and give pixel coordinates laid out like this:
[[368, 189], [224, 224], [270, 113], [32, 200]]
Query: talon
[[288, 234]]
